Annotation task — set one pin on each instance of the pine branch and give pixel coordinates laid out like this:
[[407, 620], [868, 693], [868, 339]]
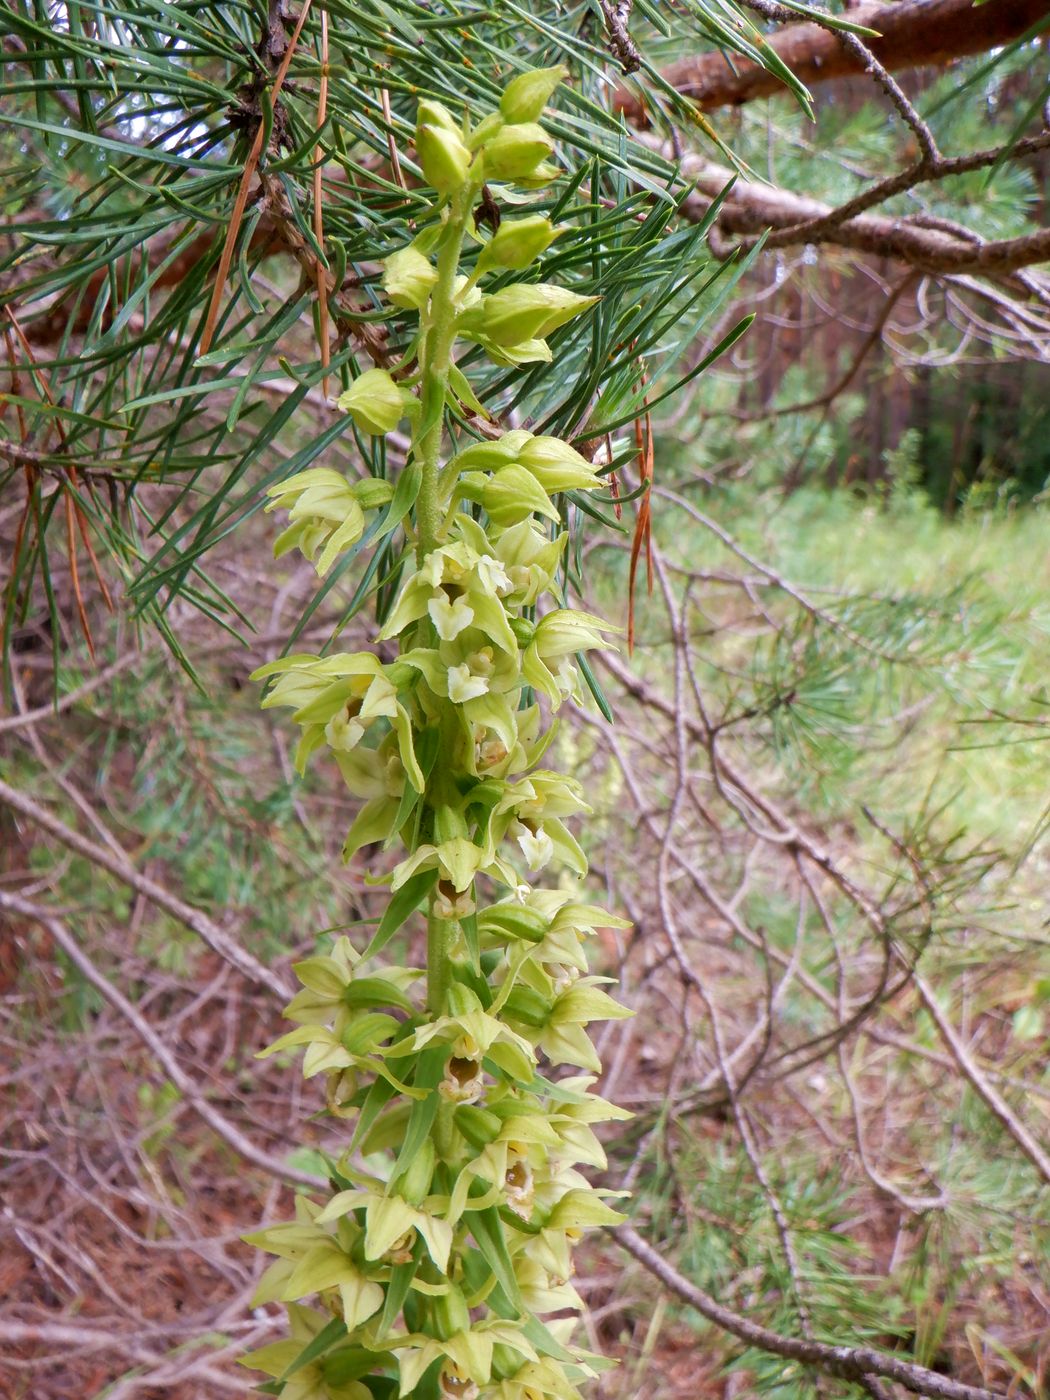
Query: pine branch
[[915, 34]]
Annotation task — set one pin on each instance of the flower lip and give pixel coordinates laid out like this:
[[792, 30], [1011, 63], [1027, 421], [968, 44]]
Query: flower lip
[[464, 1081], [450, 616], [457, 1386], [462, 1070]]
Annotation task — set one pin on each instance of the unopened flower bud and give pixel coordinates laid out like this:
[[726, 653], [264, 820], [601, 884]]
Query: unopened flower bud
[[527, 1006], [486, 128], [523, 630], [524, 311], [503, 921], [506, 1361], [374, 402], [372, 492], [408, 277], [527, 94], [509, 497], [451, 1315], [544, 173], [489, 456], [515, 151], [478, 1125], [518, 242], [414, 1183], [430, 113], [557, 466], [443, 157]]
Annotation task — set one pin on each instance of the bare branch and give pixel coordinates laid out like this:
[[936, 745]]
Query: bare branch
[[751, 209], [229, 1132], [216, 939], [850, 1363], [914, 34]]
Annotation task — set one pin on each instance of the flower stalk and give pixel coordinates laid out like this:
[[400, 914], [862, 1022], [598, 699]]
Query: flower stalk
[[446, 1245], [436, 356]]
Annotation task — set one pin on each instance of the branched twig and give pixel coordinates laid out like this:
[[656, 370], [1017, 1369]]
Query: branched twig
[[216, 939], [229, 1132]]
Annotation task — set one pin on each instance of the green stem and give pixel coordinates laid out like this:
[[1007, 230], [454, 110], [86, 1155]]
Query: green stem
[[437, 361], [439, 963]]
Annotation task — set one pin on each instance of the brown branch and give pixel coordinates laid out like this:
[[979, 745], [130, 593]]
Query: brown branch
[[187, 1087], [215, 937], [621, 45], [913, 34], [849, 1363], [241, 202], [750, 209], [969, 1067]]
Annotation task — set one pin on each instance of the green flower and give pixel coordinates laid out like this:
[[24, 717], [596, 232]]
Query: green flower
[[530, 812], [466, 667], [459, 861], [525, 96], [474, 1034], [531, 560], [557, 466], [325, 515], [566, 1206], [521, 312], [376, 403], [408, 277], [458, 587], [443, 158], [560, 635], [563, 1038], [571, 923], [337, 699], [515, 151], [334, 990], [518, 242], [572, 1123], [308, 1382], [540, 1293], [340, 1024], [508, 497], [506, 1165], [391, 1222], [378, 776], [329, 1264], [467, 1356]]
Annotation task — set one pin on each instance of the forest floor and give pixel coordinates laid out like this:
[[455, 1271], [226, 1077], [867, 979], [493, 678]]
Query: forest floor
[[122, 1272]]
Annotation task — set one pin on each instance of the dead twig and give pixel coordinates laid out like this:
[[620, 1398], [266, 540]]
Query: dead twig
[[216, 939]]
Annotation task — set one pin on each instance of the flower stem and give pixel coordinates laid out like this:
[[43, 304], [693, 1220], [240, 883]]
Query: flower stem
[[436, 363], [439, 963]]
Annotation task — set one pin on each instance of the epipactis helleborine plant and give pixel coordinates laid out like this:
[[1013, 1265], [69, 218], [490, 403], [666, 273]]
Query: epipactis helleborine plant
[[456, 1204]]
